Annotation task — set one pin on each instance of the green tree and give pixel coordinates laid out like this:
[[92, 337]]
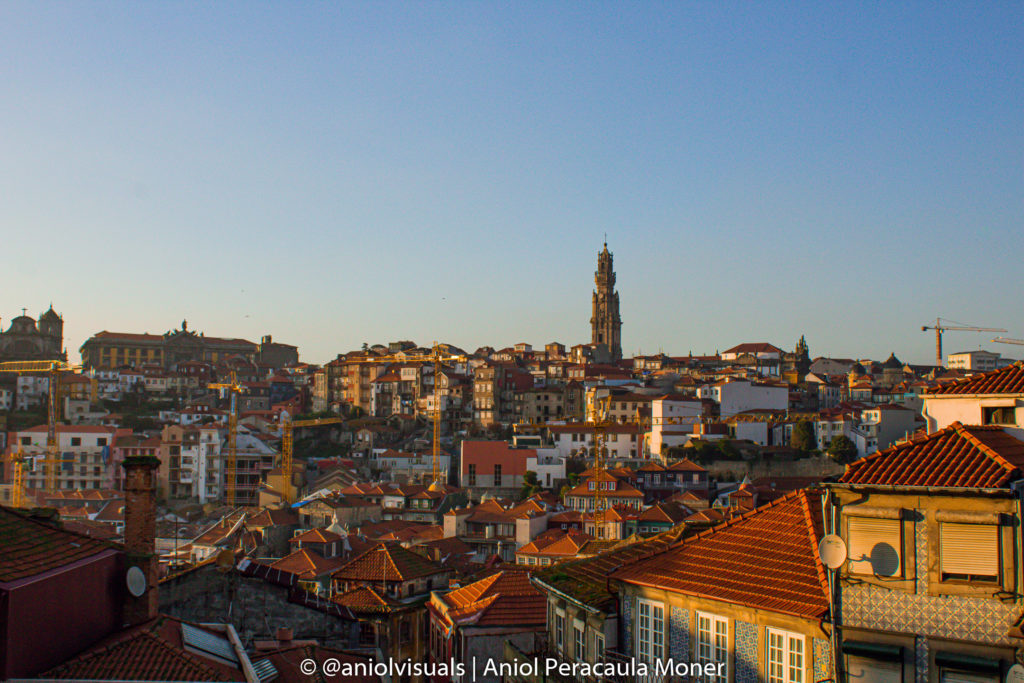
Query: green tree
[[530, 485], [803, 438], [842, 449]]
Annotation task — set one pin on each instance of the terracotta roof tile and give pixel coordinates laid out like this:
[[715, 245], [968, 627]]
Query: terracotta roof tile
[[31, 546], [766, 558], [1008, 380], [506, 598], [364, 599], [957, 456], [306, 564], [315, 536], [386, 562]]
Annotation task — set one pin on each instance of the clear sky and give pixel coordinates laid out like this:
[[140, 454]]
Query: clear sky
[[339, 173]]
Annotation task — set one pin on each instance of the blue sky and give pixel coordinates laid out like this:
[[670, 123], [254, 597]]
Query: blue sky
[[340, 173]]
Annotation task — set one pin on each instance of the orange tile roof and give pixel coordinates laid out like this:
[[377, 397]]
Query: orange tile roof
[[288, 663], [152, 651], [306, 564], [766, 558], [315, 536], [364, 599], [1008, 380], [957, 456], [506, 598], [386, 562], [31, 546]]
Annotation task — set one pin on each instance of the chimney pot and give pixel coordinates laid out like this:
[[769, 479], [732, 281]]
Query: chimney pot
[[284, 635]]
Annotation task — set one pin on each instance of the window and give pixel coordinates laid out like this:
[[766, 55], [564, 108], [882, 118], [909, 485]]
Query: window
[[713, 644], [598, 647], [472, 475], [998, 415], [497, 475], [26, 441], [76, 441], [969, 552], [876, 546], [559, 631], [650, 632], [579, 650], [102, 441], [863, 669], [785, 657]]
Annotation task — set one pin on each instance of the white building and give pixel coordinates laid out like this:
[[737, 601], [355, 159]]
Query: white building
[[992, 398], [622, 440], [739, 395], [979, 361], [672, 421]]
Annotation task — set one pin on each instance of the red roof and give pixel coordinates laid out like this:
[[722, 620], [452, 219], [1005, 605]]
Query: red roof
[[758, 347], [153, 651], [1008, 380], [386, 562], [315, 536], [31, 546], [506, 598], [957, 456], [306, 564], [766, 558]]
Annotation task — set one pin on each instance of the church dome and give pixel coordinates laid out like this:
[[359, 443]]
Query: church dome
[[23, 324]]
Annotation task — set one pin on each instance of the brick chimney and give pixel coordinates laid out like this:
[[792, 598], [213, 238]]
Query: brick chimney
[[284, 636], [140, 534]]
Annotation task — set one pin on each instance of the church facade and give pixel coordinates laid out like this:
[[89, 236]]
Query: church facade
[[27, 339]]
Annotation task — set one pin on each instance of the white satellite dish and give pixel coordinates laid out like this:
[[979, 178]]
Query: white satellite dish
[[1015, 674], [832, 551], [136, 581]]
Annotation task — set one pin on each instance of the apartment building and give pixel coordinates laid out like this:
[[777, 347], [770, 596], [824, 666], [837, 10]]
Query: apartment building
[[85, 453]]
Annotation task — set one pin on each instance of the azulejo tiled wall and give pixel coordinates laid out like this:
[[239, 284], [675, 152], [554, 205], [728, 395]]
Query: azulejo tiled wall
[[956, 617], [822, 653], [626, 644], [679, 635], [921, 659], [746, 652]]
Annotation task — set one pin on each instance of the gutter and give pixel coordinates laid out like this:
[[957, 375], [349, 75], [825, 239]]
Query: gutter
[[1005, 492]]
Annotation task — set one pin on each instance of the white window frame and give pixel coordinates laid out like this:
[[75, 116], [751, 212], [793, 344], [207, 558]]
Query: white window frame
[[650, 630], [786, 645], [560, 630], [579, 640], [710, 646]]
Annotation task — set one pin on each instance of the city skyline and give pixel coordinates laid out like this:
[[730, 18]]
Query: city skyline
[[365, 173]]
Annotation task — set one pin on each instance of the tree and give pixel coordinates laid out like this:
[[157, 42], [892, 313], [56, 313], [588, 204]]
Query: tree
[[530, 485], [842, 449], [803, 438]]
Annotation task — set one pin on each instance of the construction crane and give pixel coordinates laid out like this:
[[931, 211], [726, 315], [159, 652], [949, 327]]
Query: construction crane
[[437, 359], [52, 368], [599, 417], [287, 424], [941, 326], [233, 388], [1007, 340], [17, 461]]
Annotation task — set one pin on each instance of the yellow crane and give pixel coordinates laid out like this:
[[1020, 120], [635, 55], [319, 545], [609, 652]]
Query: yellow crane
[[233, 388], [1008, 340], [941, 326], [17, 461], [287, 424], [437, 358], [52, 461], [599, 417]]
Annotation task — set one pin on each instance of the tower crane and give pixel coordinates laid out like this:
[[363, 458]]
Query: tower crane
[[233, 388], [941, 326], [52, 462], [287, 424], [1007, 340], [437, 358], [599, 417]]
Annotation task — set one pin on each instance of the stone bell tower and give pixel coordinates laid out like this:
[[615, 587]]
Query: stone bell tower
[[605, 324]]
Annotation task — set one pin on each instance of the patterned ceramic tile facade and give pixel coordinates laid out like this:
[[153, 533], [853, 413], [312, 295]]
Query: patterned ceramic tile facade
[[626, 646], [746, 652], [679, 635], [921, 659], [959, 618], [822, 659]]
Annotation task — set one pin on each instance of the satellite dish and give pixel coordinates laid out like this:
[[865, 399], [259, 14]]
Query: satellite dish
[[136, 581], [225, 560], [832, 551], [1015, 674]]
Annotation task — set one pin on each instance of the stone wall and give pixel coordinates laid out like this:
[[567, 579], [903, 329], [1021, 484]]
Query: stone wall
[[814, 466], [256, 608]]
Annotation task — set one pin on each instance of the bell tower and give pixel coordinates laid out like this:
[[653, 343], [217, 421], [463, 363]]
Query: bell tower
[[605, 324]]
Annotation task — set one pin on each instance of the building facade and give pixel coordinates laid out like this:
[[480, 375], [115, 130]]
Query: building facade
[[26, 339]]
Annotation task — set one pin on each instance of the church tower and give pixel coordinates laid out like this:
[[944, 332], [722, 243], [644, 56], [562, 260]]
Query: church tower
[[605, 324]]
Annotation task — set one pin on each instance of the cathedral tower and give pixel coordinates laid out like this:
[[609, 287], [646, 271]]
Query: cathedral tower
[[605, 324]]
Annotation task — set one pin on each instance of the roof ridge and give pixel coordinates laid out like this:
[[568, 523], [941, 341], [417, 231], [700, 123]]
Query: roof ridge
[[965, 433]]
